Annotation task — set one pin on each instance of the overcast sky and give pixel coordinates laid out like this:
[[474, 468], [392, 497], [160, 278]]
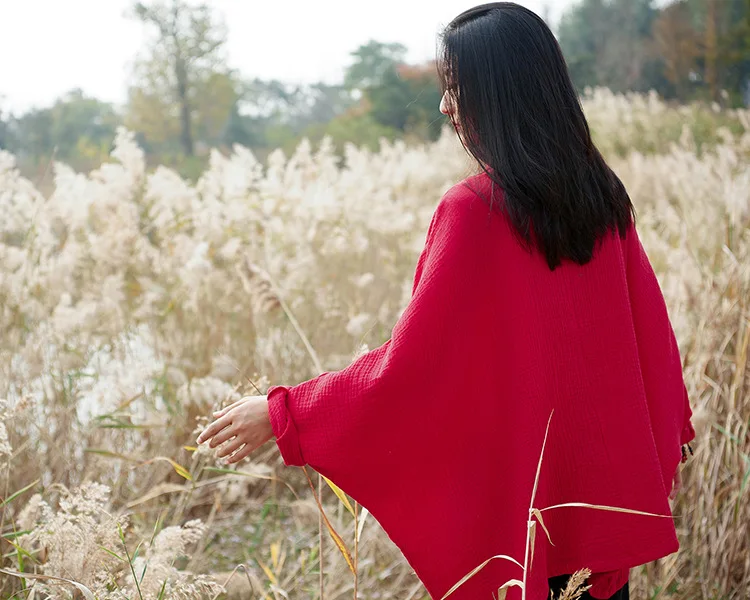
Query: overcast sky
[[48, 47]]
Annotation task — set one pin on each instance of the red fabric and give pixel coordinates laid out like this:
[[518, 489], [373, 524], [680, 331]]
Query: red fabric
[[438, 432]]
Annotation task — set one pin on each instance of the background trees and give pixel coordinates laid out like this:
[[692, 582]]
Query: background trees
[[183, 97], [181, 86], [685, 49]]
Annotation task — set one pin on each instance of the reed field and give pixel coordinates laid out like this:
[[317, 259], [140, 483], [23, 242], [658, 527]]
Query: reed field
[[133, 303]]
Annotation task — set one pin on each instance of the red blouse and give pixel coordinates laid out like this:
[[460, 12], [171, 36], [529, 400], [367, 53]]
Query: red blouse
[[438, 432]]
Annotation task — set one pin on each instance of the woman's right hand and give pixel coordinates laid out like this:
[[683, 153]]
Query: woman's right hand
[[239, 428]]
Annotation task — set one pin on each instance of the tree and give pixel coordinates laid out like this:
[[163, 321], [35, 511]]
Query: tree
[[77, 129], [712, 48], [678, 44], [425, 119], [270, 113], [605, 42], [183, 75], [734, 51], [408, 99], [630, 29], [83, 126], [355, 128], [373, 62], [582, 37], [326, 102], [398, 96], [724, 56]]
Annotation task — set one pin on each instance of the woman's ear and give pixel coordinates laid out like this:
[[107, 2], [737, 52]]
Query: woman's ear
[[446, 104]]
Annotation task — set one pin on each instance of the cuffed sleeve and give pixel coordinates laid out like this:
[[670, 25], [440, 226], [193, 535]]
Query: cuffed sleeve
[[287, 438]]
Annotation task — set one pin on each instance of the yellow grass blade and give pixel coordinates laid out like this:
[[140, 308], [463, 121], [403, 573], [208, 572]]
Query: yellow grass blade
[[268, 572], [275, 547], [532, 539], [341, 545], [607, 508], [479, 568], [179, 469], [528, 556], [541, 457], [340, 494], [87, 593], [333, 533], [538, 514], [502, 592]]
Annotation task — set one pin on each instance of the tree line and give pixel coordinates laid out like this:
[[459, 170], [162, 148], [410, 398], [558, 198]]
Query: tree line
[[184, 99], [685, 50]]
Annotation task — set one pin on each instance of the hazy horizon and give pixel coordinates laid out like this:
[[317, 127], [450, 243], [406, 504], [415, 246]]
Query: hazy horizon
[[90, 44]]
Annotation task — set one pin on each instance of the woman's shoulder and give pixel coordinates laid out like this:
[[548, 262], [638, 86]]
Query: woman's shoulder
[[472, 198], [473, 186], [467, 210]]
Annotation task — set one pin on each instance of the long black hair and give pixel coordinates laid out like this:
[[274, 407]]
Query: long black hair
[[518, 114]]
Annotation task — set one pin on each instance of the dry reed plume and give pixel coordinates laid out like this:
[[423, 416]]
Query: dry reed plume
[[132, 303]]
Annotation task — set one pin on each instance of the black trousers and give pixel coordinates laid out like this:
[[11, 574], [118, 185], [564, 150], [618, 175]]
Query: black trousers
[[558, 584]]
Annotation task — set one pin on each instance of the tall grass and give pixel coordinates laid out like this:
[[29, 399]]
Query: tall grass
[[133, 303]]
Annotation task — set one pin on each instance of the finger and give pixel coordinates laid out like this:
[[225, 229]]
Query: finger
[[221, 437], [226, 409], [214, 428], [241, 454], [231, 447]]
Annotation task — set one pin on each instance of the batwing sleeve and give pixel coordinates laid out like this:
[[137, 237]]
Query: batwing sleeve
[[660, 356], [369, 411]]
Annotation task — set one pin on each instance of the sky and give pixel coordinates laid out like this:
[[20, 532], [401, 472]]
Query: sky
[[48, 47]]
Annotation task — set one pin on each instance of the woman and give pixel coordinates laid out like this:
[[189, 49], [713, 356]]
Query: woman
[[533, 294]]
